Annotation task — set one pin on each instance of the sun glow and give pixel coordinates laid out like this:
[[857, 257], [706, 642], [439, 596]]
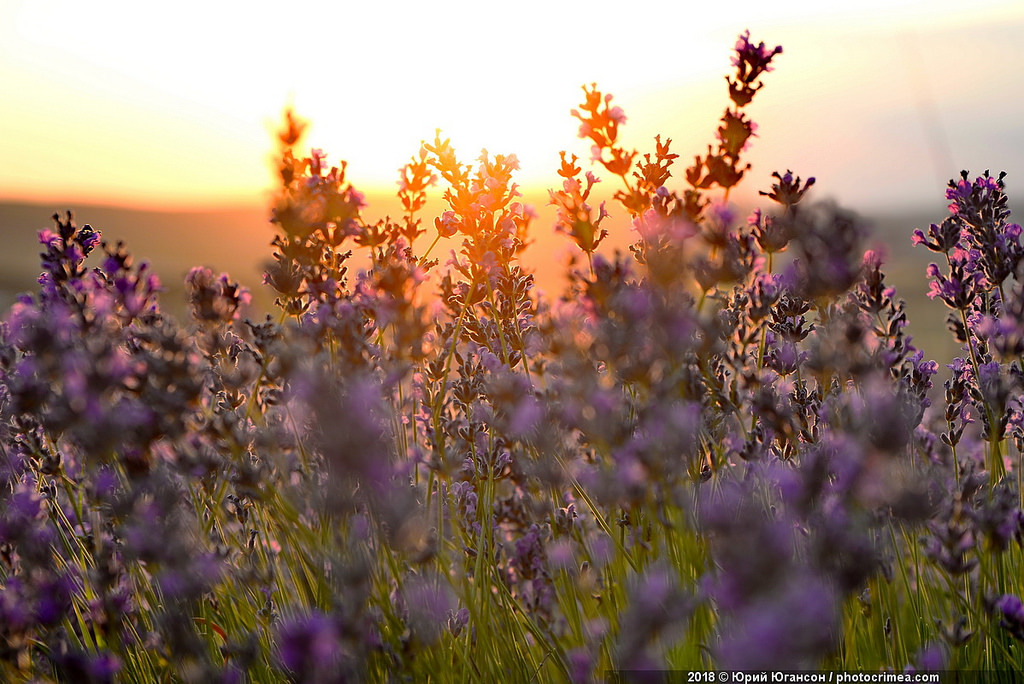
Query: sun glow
[[119, 101], [502, 82]]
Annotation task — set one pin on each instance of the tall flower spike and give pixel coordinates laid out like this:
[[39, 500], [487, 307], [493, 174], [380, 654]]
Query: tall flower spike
[[787, 190], [600, 122], [750, 61], [574, 214]]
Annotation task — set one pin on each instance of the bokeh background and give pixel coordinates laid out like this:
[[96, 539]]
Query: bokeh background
[[155, 122]]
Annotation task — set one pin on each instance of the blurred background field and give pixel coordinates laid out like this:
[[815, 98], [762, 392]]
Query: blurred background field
[[237, 241]]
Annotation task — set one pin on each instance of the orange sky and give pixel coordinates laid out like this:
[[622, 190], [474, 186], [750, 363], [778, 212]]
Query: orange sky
[[172, 104]]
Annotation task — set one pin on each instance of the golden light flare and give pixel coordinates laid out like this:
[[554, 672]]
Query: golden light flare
[[126, 101]]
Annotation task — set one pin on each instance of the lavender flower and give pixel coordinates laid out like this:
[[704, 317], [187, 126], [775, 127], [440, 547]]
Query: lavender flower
[[1010, 611]]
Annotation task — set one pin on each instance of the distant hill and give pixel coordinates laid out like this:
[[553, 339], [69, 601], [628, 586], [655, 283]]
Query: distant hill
[[237, 241], [234, 240]]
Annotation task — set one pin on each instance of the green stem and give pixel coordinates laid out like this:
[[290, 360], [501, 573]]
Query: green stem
[[427, 253]]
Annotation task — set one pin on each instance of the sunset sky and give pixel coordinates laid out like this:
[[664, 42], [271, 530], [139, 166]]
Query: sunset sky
[[173, 104]]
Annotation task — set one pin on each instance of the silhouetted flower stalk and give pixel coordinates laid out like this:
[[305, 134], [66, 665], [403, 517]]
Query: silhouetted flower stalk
[[982, 249]]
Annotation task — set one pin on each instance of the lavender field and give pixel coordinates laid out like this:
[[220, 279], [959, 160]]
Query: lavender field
[[719, 448]]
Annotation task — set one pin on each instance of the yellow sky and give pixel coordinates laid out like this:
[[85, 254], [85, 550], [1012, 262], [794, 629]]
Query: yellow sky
[[172, 104]]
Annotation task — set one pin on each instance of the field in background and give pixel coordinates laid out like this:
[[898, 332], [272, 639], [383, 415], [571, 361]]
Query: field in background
[[238, 241]]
